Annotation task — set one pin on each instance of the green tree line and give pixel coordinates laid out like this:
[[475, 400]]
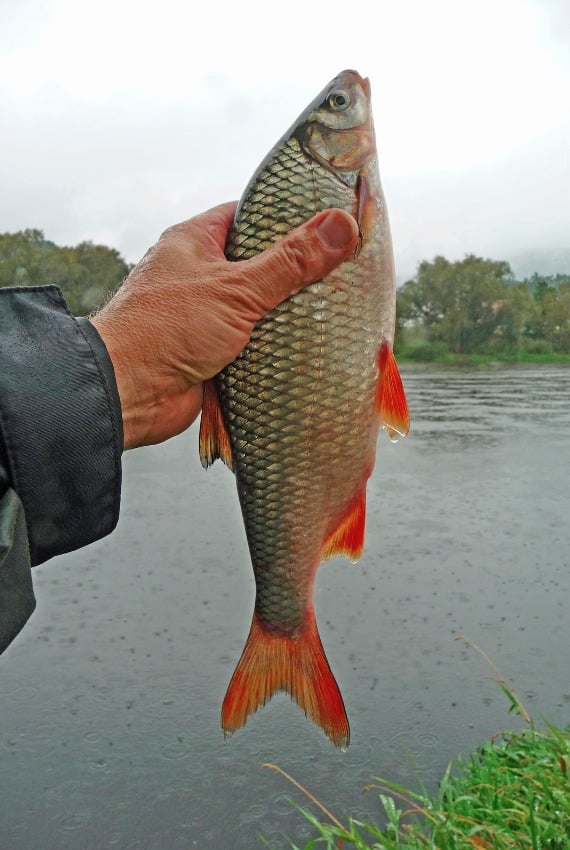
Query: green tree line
[[472, 306], [86, 273], [475, 306]]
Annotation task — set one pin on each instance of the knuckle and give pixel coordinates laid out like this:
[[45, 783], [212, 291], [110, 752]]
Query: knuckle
[[296, 259], [168, 233], [238, 286]]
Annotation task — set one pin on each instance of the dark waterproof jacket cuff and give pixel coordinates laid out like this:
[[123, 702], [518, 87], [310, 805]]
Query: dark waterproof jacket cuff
[[60, 418]]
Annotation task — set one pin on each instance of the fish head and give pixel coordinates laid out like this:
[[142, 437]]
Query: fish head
[[337, 128]]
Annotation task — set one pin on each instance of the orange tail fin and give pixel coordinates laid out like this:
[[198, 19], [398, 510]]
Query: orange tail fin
[[297, 665]]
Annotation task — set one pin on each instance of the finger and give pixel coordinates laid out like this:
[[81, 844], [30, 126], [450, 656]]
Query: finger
[[219, 218], [207, 230], [303, 256]]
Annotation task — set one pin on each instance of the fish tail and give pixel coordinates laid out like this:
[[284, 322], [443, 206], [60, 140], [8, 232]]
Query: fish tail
[[297, 665]]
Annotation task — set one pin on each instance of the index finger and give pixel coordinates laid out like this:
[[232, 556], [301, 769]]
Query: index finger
[[208, 230]]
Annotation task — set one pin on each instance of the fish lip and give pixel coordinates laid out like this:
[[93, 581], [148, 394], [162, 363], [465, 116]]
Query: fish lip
[[364, 81]]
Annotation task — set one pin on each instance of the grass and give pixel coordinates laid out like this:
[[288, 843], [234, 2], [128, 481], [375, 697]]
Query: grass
[[514, 792], [433, 354]]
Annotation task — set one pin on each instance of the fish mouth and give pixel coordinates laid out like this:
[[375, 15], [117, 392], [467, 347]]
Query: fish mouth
[[344, 76]]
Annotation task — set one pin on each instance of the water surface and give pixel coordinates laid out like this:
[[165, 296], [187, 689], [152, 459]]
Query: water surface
[[110, 698]]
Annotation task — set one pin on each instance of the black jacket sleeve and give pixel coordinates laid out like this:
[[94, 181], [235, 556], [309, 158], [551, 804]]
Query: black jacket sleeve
[[61, 441]]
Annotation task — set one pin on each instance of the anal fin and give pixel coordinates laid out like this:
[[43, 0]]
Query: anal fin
[[348, 537]]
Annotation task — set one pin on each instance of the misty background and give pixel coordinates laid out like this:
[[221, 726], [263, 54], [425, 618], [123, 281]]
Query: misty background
[[121, 118]]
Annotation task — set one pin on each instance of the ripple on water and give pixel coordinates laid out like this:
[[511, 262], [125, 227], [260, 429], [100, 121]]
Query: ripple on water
[[281, 804], [252, 814], [92, 737], [427, 740], [72, 821], [158, 709], [175, 750]]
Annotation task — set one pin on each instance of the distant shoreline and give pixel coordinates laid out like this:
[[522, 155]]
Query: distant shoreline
[[439, 358]]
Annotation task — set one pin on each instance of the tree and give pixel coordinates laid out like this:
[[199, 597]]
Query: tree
[[516, 316], [87, 273], [554, 317], [458, 303]]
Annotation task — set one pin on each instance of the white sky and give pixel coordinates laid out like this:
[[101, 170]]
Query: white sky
[[120, 117]]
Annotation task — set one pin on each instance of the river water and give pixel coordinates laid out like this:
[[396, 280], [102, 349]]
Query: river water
[[110, 698]]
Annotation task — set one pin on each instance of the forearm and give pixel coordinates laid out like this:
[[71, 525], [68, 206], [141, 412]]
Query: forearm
[[60, 422]]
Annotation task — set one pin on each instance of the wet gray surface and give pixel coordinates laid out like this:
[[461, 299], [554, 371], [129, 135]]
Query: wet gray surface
[[110, 698]]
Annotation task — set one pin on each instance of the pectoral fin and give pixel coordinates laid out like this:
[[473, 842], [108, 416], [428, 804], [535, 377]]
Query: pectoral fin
[[214, 437]]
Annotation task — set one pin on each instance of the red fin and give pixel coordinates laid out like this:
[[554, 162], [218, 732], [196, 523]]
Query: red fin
[[348, 537], [214, 436], [390, 399], [297, 665]]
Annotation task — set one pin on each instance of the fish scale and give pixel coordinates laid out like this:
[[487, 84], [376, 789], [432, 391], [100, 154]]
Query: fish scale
[[301, 405], [280, 488]]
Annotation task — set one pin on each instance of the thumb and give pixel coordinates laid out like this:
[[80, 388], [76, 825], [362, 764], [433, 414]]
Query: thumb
[[302, 256]]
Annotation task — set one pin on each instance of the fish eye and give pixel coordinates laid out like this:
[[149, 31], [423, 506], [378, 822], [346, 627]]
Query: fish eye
[[339, 100]]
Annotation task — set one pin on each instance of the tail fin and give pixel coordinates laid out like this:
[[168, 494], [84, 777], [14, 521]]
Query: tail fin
[[297, 665]]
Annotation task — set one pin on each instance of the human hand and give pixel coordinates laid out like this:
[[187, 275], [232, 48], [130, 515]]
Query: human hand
[[185, 312]]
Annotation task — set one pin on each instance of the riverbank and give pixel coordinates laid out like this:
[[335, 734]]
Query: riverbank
[[513, 792], [434, 355]]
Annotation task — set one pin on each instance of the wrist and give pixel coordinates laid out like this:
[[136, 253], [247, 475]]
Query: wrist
[[125, 378]]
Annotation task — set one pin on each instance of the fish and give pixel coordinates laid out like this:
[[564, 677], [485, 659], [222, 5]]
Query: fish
[[297, 414]]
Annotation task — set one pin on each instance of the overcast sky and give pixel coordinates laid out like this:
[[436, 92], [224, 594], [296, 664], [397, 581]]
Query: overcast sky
[[120, 117]]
